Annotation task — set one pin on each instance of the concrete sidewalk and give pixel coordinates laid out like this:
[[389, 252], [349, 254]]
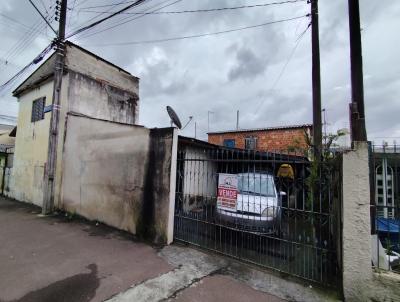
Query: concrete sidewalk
[[60, 259]]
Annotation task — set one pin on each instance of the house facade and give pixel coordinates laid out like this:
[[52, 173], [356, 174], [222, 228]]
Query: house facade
[[91, 87], [7, 141], [272, 139]]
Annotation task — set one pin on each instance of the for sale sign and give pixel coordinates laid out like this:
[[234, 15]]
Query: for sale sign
[[227, 191]]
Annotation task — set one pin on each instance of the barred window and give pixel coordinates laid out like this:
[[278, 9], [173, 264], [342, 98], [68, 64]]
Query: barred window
[[250, 143], [38, 109]]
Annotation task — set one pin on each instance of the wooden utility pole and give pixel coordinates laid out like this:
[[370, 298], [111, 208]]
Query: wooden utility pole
[[357, 114], [48, 202], [316, 82]]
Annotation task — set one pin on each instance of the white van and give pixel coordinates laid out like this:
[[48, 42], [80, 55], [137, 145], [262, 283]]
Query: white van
[[257, 206]]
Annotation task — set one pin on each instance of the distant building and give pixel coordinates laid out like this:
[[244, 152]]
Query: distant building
[[91, 87], [385, 185], [7, 141], [280, 139]]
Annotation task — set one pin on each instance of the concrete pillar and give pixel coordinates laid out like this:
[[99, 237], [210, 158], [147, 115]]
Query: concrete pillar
[[357, 269], [172, 187]]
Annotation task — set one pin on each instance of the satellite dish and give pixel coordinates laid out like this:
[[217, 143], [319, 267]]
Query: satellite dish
[[174, 117]]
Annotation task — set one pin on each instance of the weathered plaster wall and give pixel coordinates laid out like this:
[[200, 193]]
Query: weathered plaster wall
[[96, 68], [121, 175], [104, 73], [98, 99], [103, 168], [157, 220], [31, 147], [91, 87]]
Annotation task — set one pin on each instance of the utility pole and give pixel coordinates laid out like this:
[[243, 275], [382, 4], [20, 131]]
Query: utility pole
[[325, 124], [208, 120], [237, 120], [357, 113], [48, 202], [316, 82], [195, 129]]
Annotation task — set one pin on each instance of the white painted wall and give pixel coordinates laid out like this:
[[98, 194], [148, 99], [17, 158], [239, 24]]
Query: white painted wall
[[200, 178]]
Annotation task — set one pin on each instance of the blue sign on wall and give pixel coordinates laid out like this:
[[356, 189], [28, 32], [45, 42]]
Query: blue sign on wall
[[48, 108]]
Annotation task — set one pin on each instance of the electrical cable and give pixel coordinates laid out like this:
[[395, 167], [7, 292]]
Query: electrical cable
[[87, 22], [285, 65], [130, 18], [15, 21], [105, 18], [199, 35], [205, 10], [35, 61], [36, 29]]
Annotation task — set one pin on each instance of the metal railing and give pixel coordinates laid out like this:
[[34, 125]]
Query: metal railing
[[263, 208]]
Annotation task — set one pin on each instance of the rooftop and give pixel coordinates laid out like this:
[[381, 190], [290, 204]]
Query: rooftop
[[263, 129], [46, 69]]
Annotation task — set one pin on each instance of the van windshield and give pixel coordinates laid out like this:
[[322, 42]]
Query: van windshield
[[256, 184]]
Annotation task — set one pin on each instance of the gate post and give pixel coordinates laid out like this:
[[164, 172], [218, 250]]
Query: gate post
[[356, 223], [172, 187]]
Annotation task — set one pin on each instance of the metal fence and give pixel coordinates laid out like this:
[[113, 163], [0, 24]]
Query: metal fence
[[264, 208], [385, 209]]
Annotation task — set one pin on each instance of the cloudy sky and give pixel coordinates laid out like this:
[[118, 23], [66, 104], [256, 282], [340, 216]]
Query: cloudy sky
[[264, 72]]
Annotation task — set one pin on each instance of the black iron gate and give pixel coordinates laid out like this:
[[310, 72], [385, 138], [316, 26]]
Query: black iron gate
[[281, 216]]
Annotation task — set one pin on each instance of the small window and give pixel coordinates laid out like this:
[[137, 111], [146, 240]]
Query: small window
[[38, 109], [229, 143], [250, 143]]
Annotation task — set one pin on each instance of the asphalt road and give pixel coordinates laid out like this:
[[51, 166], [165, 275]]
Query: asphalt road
[[55, 259]]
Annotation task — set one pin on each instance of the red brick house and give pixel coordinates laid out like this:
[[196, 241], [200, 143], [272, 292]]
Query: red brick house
[[281, 139]]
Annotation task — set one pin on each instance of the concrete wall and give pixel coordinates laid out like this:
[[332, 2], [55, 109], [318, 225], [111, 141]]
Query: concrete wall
[[83, 62], [31, 146], [119, 174], [157, 220], [91, 87], [101, 100]]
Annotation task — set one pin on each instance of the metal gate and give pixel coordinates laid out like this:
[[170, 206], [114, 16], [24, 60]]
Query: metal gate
[[277, 215]]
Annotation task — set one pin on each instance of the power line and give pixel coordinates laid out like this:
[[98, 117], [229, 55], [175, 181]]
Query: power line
[[98, 15], [285, 65], [43, 17], [108, 5], [15, 21], [105, 19], [201, 35], [130, 19], [26, 39], [16, 46], [44, 6], [38, 58], [204, 10]]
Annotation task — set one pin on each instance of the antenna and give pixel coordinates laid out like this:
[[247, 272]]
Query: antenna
[[190, 119], [174, 117]]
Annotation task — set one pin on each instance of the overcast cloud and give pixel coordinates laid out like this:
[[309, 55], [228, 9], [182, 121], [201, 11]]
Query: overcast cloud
[[234, 71]]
